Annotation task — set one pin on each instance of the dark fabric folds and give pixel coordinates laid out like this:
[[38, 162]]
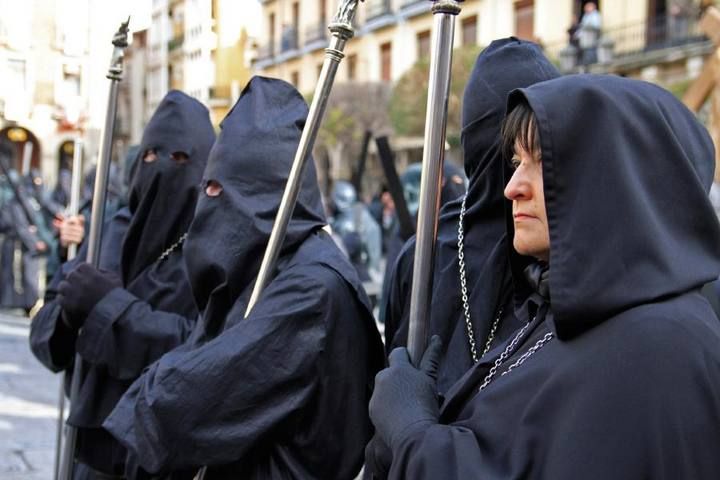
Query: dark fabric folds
[[282, 393], [628, 385]]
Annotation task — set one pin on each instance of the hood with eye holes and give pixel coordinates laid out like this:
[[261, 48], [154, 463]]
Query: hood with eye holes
[[163, 193], [626, 172], [251, 160]]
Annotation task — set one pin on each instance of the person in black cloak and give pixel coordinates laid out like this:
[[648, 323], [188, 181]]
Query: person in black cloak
[[469, 328], [282, 393], [617, 373], [107, 319], [503, 66]]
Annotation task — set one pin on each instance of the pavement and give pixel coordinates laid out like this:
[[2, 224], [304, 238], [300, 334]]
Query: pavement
[[28, 406]]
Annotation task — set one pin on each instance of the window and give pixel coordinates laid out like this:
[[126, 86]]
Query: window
[[469, 30], [295, 79], [423, 44], [352, 67], [386, 62], [524, 19]]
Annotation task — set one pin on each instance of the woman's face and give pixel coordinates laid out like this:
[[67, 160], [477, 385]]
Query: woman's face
[[525, 189]]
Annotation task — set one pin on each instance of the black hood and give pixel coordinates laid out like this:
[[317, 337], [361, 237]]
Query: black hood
[[626, 171], [503, 66], [251, 159], [163, 193]]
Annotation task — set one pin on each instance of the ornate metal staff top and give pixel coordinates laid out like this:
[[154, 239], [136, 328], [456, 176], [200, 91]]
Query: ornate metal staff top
[[120, 41]]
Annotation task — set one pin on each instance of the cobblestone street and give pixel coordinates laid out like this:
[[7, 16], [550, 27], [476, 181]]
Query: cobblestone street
[[28, 406]]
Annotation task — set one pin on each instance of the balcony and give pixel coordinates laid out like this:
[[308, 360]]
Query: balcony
[[266, 51], [652, 41], [289, 39], [317, 32], [377, 8], [412, 8], [175, 42]]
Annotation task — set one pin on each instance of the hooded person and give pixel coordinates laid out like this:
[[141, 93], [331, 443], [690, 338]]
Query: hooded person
[[122, 319], [282, 393], [503, 66], [469, 328], [617, 373]]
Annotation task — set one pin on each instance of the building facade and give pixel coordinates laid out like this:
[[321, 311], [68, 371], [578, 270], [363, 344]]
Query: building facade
[[656, 40]]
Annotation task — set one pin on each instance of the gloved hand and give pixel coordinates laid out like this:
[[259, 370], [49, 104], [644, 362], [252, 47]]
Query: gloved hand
[[405, 399], [81, 290]]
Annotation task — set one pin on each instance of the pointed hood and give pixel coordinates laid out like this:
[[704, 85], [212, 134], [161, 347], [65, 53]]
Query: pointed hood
[[163, 193], [251, 160], [626, 171]]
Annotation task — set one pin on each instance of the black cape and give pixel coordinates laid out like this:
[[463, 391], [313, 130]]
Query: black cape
[[503, 66], [629, 386], [284, 392], [154, 312]]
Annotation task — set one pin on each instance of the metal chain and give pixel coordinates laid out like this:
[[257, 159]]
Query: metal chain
[[540, 343], [509, 350], [464, 293], [172, 247]]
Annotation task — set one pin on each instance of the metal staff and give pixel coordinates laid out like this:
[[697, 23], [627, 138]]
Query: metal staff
[[444, 13], [27, 158], [72, 211], [341, 30], [96, 218]]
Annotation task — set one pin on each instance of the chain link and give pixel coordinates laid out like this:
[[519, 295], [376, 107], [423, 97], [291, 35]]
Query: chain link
[[509, 350], [464, 294], [172, 247]]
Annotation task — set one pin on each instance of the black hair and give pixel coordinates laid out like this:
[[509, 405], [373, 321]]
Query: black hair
[[519, 127]]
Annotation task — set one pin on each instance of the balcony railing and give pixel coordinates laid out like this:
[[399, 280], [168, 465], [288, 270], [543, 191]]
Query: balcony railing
[[175, 42], [378, 8], [289, 39], [266, 51], [642, 38], [316, 32]]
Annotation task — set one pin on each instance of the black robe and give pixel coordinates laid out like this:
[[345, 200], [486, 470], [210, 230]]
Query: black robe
[[282, 393], [133, 326], [503, 66], [628, 387], [19, 257]]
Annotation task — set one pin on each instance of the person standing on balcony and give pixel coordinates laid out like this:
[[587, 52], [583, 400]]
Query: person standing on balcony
[[588, 33]]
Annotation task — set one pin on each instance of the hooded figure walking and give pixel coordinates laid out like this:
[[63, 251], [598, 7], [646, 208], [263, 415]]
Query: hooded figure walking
[[282, 393], [617, 372], [103, 314]]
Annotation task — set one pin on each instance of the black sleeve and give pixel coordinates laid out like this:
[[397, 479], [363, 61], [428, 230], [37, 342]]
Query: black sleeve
[[226, 388], [124, 334]]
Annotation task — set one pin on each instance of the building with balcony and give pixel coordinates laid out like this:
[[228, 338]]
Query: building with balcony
[[197, 46], [657, 40]]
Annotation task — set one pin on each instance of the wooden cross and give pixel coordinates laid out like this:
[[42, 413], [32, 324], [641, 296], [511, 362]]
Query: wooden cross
[[708, 83]]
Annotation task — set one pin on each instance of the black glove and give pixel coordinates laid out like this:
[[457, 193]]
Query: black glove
[[405, 399], [378, 458], [81, 290]]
